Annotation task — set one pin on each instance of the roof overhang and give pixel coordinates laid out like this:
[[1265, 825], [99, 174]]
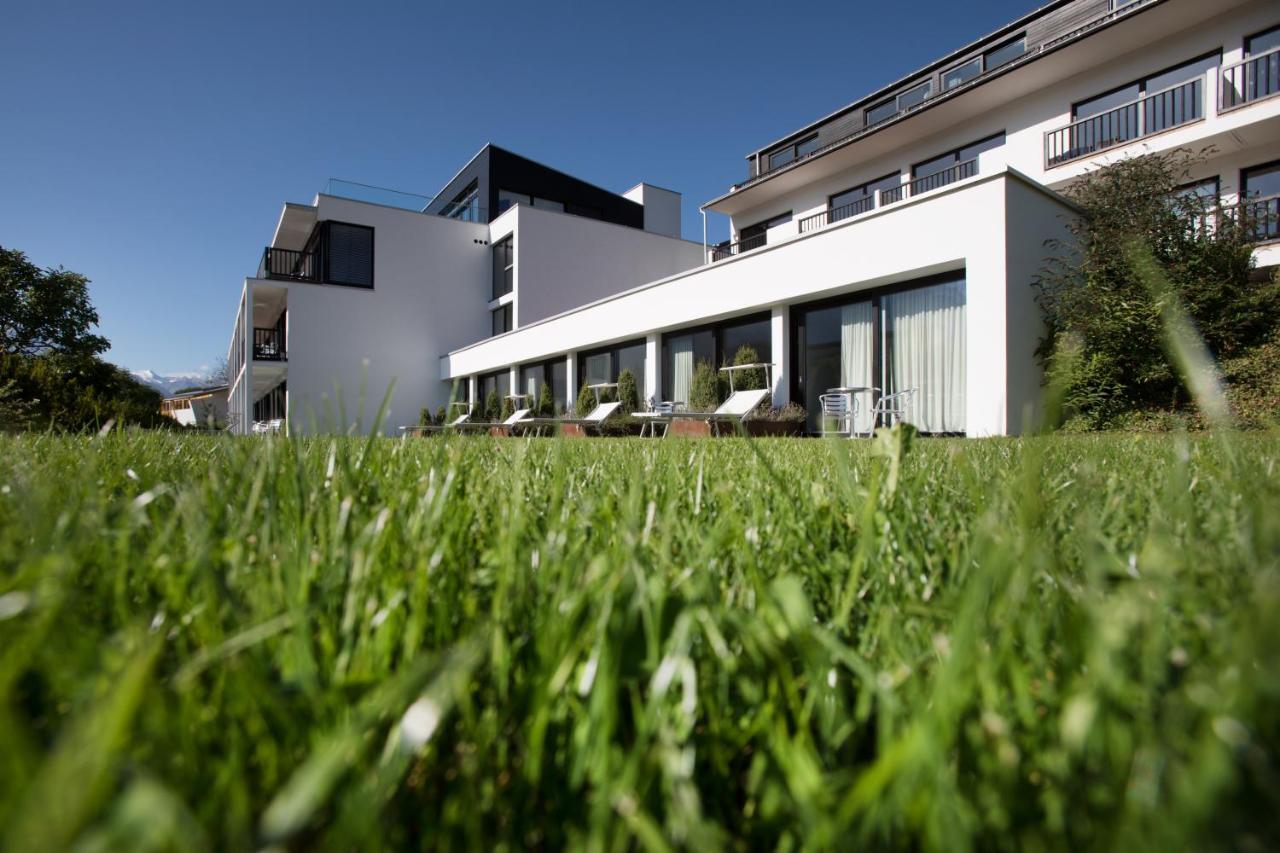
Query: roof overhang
[[295, 226]]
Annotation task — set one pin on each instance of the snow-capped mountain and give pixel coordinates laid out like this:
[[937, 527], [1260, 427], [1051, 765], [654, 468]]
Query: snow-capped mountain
[[170, 383]]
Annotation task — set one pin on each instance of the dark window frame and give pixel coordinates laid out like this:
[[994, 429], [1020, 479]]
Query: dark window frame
[[796, 312], [508, 319], [986, 64], [506, 244], [1244, 44], [832, 206], [319, 242], [1142, 81], [717, 335], [794, 149], [612, 350], [955, 152]]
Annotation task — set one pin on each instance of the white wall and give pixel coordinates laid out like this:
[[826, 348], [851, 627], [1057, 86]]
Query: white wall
[[661, 208], [565, 261], [959, 227], [432, 278]]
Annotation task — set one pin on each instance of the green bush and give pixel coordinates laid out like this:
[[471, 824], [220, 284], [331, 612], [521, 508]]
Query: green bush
[[628, 393], [1095, 303], [492, 407], [586, 401], [424, 416], [546, 402], [442, 415], [747, 379], [80, 392], [705, 392]]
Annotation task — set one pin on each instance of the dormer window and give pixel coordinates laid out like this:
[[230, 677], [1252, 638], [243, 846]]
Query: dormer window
[[793, 151], [887, 109]]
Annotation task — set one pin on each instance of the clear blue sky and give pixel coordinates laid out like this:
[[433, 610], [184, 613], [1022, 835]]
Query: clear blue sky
[[150, 146]]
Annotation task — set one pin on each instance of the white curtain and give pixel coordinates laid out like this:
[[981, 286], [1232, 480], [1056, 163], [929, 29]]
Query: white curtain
[[681, 368], [857, 365], [531, 388], [925, 350]]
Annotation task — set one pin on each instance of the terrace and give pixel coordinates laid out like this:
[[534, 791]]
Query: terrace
[[1142, 117]]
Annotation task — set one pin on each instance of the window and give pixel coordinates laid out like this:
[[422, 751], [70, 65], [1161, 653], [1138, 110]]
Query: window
[[1004, 54], [465, 205], [882, 111], [346, 253], [755, 236], [911, 97], [1120, 4], [605, 365], [861, 198], [1152, 85], [1260, 199], [1262, 42], [1197, 200], [793, 151], [504, 267], [547, 204], [501, 319], [498, 383], [904, 337], [716, 345], [952, 166], [531, 378], [961, 74]]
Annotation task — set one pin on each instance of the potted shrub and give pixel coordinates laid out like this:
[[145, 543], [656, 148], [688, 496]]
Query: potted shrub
[[705, 395]]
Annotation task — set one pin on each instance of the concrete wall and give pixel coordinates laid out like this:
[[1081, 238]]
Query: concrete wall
[[661, 208], [563, 261], [431, 283], [959, 227]]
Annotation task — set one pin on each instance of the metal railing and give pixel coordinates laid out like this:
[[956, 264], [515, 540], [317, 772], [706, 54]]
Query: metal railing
[[289, 264], [1257, 216], [958, 172], [728, 250], [1159, 111], [268, 344], [1254, 79], [835, 214]]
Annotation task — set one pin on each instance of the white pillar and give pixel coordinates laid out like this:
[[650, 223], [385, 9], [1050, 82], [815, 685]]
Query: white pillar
[[652, 368], [780, 326], [514, 379], [571, 380], [471, 393]]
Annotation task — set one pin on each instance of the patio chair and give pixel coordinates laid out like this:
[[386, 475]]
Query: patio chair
[[657, 414], [597, 416], [736, 409], [838, 414], [454, 424], [891, 409]]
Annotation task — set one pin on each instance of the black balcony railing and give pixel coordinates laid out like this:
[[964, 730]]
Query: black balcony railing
[[835, 214], [1259, 217], [728, 250], [290, 264], [1256, 78], [1163, 110], [268, 344], [958, 172]]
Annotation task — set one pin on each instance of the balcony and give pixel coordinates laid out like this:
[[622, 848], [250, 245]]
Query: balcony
[[268, 344], [289, 265], [1254, 79], [835, 214], [1146, 116], [728, 250], [958, 172]]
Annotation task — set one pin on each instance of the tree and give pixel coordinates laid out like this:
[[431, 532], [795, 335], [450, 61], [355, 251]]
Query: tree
[[1097, 307], [546, 402], [586, 401], [628, 393], [221, 373], [704, 390], [45, 311], [74, 392], [492, 408]]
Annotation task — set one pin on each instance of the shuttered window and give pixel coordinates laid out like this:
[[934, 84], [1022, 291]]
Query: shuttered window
[[348, 254]]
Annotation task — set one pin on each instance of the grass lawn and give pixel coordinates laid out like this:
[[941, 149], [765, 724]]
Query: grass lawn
[[1053, 643]]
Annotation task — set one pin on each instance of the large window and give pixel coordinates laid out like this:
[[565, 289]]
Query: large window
[[861, 198], [890, 107], [894, 340], [554, 373], [603, 366], [992, 59], [508, 198], [1258, 44], [465, 205], [498, 382], [1166, 104], [952, 166], [504, 267], [716, 345], [755, 236]]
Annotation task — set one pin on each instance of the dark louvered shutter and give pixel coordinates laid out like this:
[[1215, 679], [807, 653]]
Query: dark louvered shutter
[[350, 254]]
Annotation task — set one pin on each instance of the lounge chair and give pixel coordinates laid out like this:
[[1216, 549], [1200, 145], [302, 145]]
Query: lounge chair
[[519, 416], [597, 416], [736, 409], [657, 414], [455, 424]]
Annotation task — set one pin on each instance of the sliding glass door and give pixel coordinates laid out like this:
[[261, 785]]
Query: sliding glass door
[[907, 338]]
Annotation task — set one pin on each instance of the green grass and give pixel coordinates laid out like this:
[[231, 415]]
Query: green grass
[[1053, 643]]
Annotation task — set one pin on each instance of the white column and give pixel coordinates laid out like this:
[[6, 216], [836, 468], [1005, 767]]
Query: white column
[[515, 385], [652, 368], [471, 393], [780, 326], [571, 379]]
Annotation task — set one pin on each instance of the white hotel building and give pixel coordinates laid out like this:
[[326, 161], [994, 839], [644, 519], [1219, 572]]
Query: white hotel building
[[892, 243]]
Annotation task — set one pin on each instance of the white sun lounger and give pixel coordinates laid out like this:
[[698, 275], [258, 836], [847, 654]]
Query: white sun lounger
[[597, 416], [519, 416], [737, 408], [456, 423]]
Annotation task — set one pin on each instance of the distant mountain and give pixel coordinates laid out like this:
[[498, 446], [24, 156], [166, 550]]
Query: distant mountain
[[171, 383]]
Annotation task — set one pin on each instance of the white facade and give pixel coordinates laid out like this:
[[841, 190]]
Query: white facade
[[828, 280]]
